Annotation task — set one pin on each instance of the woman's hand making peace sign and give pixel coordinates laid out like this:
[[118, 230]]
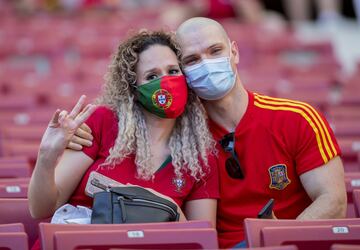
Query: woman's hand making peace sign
[[62, 127]]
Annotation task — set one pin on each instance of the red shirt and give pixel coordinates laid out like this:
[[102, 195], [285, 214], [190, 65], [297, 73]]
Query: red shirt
[[103, 123], [276, 141]]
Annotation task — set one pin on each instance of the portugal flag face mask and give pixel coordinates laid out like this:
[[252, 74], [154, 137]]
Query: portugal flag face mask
[[165, 97]]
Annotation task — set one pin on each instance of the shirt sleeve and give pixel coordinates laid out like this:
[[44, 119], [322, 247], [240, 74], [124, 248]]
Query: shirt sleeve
[[208, 186], [316, 144], [95, 122]]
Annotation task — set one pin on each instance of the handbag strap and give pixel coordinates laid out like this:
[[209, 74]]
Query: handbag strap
[[95, 182]]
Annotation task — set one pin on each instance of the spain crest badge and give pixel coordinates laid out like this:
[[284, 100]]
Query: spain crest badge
[[278, 177]]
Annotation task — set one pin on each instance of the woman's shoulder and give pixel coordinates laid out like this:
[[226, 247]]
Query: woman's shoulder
[[104, 112]]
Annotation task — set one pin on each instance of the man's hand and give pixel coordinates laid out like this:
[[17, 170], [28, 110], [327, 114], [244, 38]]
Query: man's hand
[[273, 216], [82, 137], [62, 127]]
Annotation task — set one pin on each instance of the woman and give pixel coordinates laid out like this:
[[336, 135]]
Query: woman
[[148, 129]]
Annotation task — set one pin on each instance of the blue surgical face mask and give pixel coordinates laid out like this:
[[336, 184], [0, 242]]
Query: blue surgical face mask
[[211, 79]]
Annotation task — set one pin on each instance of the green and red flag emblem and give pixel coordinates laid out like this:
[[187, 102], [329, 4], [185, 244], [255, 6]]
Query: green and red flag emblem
[[165, 97], [162, 99]]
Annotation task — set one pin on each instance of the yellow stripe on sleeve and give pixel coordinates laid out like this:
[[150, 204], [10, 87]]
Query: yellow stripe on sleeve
[[313, 113], [303, 114]]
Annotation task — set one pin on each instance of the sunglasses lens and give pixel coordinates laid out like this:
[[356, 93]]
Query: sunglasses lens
[[233, 170], [227, 142], [232, 165]]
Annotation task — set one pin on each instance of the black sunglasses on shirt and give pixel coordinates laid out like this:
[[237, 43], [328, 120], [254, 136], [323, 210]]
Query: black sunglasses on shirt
[[232, 164]]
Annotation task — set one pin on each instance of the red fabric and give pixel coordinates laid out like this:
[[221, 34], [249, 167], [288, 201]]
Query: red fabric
[[220, 9], [266, 138], [176, 87], [36, 245], [103, 124]]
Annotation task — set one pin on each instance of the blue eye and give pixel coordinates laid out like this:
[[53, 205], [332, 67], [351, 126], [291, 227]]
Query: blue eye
[[151, 77], [174, 71]]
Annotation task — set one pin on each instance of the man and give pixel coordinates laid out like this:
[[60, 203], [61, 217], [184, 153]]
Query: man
[[285, 148], [279, 148]]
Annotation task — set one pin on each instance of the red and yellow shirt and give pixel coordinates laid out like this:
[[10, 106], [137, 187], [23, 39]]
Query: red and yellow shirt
[[276, 141]]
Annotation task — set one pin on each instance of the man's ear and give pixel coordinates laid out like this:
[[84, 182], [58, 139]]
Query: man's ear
[[235, 51]]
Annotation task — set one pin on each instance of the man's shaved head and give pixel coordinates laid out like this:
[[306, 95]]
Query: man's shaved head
[[203, 38], [199, 23]]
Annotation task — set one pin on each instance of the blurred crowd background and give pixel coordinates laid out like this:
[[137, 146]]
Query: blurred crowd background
[[52, 51]]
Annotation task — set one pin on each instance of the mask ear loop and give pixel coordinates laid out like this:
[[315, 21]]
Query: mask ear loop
[[134, 90]]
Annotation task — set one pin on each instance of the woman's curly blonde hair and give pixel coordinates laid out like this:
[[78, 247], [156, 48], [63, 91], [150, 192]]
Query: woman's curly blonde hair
[[190, 141]]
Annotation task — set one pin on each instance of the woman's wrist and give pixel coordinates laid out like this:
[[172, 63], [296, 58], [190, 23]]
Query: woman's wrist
[[47, 158], [51, 151]]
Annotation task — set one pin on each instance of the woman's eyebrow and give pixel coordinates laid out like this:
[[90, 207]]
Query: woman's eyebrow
[[150, 70], [173, 66]]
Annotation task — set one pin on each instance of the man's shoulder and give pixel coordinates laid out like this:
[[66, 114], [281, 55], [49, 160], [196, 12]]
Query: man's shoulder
[[283, 108]]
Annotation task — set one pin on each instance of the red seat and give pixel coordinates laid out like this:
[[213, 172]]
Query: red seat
[[16, 103], [14, 170], [343, 127], [16, 159], [23, 132], [12, 228], [351, 166], [200, 238], [14, 241], [13, 236], [20, 148], [350, 147], [17, 211], [350, 95], [13, 190], [352, 181], [356, 200], [48, 230], [253, 227], [344, 112], [319, 237], [14, 181], [36, 116], [345, 247]]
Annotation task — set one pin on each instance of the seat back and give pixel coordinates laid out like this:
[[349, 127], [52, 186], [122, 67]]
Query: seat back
[[352, 182], [254, 227], [47, 230], [356, 200], [13, 236], [13, 190], [15, 170], [12, 228], [17, 211], [319, 237], [345, 247], [14, 241], [195, 238]]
